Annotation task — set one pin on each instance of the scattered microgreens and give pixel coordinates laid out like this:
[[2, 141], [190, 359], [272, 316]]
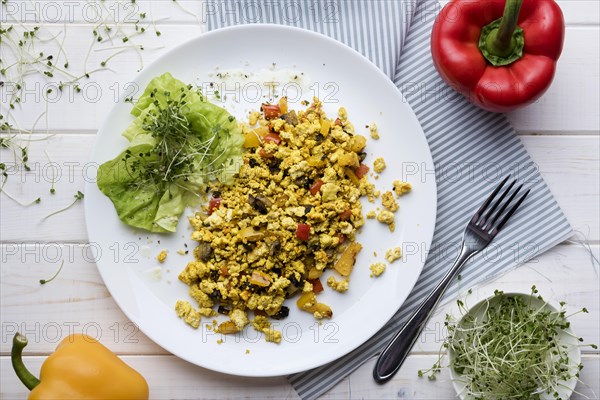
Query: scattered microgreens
[[31, 51], [44, 281], [78, 196], [171, 159], [20, 153], [514, 351], [5, 179]]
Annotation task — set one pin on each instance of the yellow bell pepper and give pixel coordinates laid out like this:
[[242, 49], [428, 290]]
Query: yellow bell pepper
[[80, 368]]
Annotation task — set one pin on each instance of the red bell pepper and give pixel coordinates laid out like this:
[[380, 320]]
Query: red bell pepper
[[213, 204], [346, 214], [317, 285], [316, 187], [500, 54], [303, 232], [264, 154], [271, 111], [361, 171], [273, 138]]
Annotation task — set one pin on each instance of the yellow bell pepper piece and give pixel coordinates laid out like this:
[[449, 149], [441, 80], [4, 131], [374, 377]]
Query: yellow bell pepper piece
[[253, 138], [80, 368], [283, 105], [325, 126]]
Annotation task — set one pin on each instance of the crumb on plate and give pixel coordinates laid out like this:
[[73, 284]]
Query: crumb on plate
[[374, 131], [162, 256], [387, 217], [388, 201], [338, 286], [377, 269], [393, 254], [379, 165], [185, 311], [401, 187]]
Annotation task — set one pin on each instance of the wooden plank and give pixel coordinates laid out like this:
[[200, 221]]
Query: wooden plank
[[70, 168], [580, 12], [78, 300], [171, 378], [570, 105], [570, 165], [406, 385], [572, 175], [576, 12], [111, 11], [86, 109]]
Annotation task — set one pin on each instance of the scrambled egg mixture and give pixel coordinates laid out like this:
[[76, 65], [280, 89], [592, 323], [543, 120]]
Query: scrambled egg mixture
[[292, 213]]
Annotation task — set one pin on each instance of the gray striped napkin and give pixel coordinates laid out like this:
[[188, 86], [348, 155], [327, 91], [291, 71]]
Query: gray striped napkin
[[472, 149]]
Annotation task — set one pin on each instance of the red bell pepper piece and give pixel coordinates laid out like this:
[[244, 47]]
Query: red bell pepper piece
[[317, 285], [272, 137], [271, 111], [264, 154], [316, 187], [361, 171], [303, 231], [346, 214], [500, 54], [213, 204]]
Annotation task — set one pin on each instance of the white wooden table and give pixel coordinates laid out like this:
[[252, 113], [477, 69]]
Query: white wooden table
[[560, 131]]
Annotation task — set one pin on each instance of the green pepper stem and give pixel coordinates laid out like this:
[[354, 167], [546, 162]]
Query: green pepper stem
[[16, 356], [503, 41]]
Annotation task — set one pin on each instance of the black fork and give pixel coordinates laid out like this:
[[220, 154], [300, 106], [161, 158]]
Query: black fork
[[483, 227]]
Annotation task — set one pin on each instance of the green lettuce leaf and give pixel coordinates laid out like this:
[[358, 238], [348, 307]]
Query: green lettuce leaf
[[224, 159], [136, 206], [151, 193]]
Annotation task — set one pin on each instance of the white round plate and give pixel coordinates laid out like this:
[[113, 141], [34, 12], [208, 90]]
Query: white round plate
[[566, 338], [147, 291]]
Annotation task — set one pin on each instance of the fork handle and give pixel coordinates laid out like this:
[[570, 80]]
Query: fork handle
[[392, 357]]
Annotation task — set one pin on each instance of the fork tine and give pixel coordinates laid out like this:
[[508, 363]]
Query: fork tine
[[492, 221], [489, 214], [511, 212], [488, 201]]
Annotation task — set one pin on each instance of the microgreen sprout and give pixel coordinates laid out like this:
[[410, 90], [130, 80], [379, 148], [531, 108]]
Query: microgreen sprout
[[513, 349], [2, 190], [78, 196], [188, 12], [20, 155], [44, 281], [52, 190]]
